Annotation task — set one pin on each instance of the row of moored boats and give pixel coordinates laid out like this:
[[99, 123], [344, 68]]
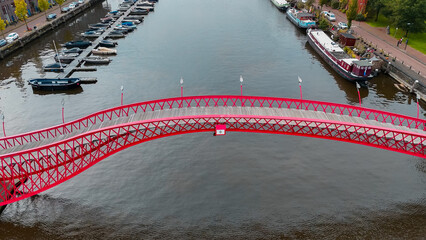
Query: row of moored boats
[[352, 69], [72, 49]]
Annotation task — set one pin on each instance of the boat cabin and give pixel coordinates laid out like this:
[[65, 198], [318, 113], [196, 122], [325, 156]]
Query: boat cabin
[[304, 16], [362, 68]]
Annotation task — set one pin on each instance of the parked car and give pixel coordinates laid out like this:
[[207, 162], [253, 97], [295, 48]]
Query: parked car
[[65, 9], [342, 25], [76, 4], [329, 15], [51, 16], [71, 6], [2, 42], [80, 1], [12, 37]]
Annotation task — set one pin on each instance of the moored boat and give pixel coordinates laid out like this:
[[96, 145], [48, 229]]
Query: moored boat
[[301, 19], [72, 50], [107, 43], [98, 26], [128, 24], [91, 34], [139, 12], [106, 19], [123, 29], [281, 4], [79, 44], [96, 60], [351, 69], [54, 67], [145, 4], [116, 34], [66, 58], [54, 83], [150, 9], [104, 51], [134, 17]]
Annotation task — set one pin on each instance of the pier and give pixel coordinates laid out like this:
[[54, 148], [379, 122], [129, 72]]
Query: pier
[[75, 65]]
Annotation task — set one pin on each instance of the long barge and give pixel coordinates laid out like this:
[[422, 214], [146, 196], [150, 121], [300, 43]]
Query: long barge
[[351, 69]]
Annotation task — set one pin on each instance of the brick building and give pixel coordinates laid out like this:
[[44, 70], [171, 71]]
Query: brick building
[[362, 5], [7, 9]]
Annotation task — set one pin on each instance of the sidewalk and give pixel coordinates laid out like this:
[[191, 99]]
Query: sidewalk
[[377, 37], [37, 20]]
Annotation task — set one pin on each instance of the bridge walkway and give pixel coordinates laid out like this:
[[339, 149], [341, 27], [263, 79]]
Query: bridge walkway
[[220, 111]]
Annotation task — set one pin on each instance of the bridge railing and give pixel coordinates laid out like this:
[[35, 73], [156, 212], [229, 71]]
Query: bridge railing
[[213, 101]]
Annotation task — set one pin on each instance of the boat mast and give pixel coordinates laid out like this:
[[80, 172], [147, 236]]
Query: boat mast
[[57, 54]]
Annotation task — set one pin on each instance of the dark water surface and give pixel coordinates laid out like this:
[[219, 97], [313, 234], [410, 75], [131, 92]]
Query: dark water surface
[[198, 186]]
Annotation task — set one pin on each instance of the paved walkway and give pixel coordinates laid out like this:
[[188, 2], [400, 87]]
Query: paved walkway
[[410, 57], [37, 20]]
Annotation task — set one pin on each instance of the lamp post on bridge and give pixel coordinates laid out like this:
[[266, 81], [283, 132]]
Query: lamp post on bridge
[[359, 95], [181, 87], [122, 94], [300, 87], [63, 109], [241, 81], [2, 119]]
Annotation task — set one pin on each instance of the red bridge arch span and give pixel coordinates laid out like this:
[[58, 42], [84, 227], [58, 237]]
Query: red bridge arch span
[[36, 161]]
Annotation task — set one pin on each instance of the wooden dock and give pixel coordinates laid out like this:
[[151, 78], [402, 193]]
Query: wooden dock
[[75, 65]]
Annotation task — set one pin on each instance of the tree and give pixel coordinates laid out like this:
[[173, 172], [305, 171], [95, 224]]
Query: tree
[[2, 26], [309, 3], [408, 14], [60, 2], [21, 11], [323, 24], [352, 11], [375, 6], [343, 4], [322, 2], [43, 5]]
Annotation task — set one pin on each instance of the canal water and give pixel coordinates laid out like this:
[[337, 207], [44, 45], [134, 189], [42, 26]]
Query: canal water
[[240, 186]]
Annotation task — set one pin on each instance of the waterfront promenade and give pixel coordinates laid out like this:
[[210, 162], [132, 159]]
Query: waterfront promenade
[[412, 59], [36, 20]]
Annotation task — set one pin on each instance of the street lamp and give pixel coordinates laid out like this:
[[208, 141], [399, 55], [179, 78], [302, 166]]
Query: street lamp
[[2, 119], [181, 87], [359, 95], [122, 94], [63, 104], [408, 28], [300, 87], [241, 81]]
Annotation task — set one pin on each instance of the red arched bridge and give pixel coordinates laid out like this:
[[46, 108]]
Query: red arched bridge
[[36, 161]]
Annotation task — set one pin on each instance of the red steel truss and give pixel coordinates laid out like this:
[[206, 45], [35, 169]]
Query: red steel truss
[[32, 171], [214, 101]]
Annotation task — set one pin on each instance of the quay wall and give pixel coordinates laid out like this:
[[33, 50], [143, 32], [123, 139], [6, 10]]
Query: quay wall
[[47, 27], [406, 77]]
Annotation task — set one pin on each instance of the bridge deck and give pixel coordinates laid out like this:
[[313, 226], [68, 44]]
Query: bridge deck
[[220, 111]]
